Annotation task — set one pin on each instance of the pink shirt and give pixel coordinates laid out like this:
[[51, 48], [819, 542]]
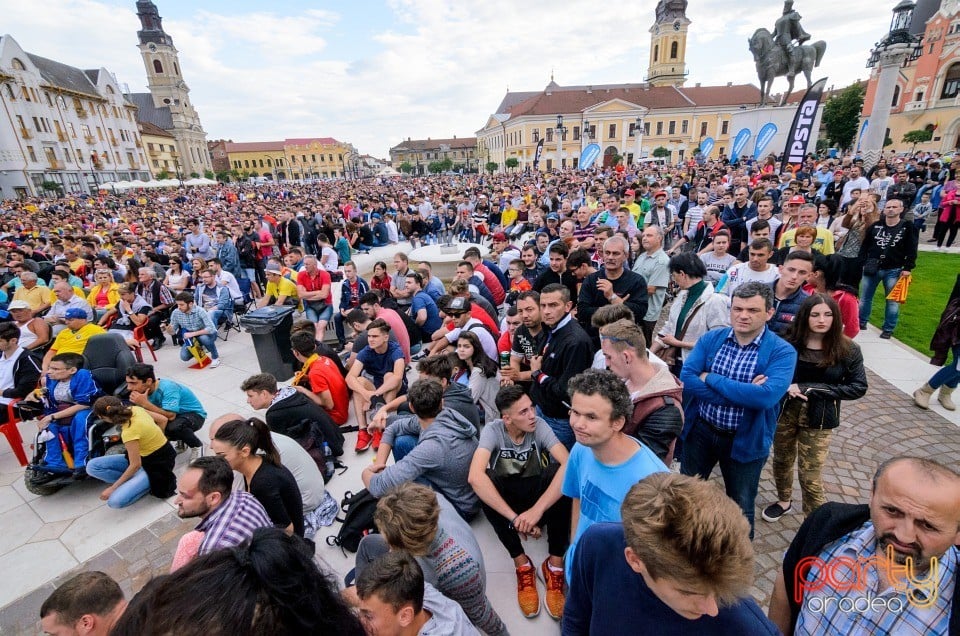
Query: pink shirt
[[398, 329]]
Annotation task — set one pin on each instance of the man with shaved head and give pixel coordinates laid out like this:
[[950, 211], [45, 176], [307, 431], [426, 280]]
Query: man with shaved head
[[902, 546]]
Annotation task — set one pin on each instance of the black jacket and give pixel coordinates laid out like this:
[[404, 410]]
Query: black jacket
[[947, 334], [844, 381], [285, 417], [590, 299], [26, 375], [566, 352]]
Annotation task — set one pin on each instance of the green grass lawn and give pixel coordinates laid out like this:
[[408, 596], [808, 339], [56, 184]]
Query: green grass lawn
[[933, 280]]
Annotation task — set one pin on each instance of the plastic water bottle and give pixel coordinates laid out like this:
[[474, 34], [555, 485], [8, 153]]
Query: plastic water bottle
[[328, 457]]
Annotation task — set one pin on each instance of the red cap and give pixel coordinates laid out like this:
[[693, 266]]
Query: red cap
[[629, 193], [500, 237], [796, 199], [660, 193]]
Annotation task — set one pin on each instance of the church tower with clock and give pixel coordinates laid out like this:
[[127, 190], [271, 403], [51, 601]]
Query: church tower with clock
[[668, 44], [168, 103]]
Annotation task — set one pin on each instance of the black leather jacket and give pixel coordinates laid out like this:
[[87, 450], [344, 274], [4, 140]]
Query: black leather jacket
[[846, 380]]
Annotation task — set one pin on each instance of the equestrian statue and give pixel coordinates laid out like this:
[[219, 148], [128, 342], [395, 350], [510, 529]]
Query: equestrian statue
[[784, 53]]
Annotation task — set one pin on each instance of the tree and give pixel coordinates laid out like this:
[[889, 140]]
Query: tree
[[434, 167], [841, 115], [209, 174], [223, 176], [163, 174], [254, 173], [446, 165], [52, 186], [194, 175], [917, 137], [660, 152], [406, 167], [492, 166], [511, 162]]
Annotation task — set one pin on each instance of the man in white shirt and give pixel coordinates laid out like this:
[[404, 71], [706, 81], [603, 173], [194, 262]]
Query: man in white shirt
[[226, 279], [756, 268], [858, 181]]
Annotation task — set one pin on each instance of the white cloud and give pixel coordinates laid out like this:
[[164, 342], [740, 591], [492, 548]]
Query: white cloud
[[440, 67]]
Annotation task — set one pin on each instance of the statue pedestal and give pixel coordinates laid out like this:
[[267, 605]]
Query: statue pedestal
[[443, 259], [753, 119]]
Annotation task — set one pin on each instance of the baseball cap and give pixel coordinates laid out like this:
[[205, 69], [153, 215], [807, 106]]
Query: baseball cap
[[629, 193], [660, 193], [458, 305], [376, 216], [19, 304], [500, 237], [273, 267], [75, 312], [553, 216], [796, 199]]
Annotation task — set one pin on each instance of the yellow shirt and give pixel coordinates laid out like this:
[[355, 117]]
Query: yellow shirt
[[143, 429], [284, 287], [70, 341], [508, 217], [823, 243], [36, 297]]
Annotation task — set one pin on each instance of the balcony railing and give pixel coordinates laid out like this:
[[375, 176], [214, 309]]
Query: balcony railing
[[90, 139], [26, 133], [55, 165], [113, 142], [81, 112], [139, 143], [913, 106], [62, 136], [97, 165]]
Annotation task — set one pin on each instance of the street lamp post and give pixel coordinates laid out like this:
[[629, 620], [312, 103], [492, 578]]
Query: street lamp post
[[585, 135], [559, 132], [890, 54], [638, 133]]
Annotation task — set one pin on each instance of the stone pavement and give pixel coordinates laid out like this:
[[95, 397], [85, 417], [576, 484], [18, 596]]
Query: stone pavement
[[44, 540]]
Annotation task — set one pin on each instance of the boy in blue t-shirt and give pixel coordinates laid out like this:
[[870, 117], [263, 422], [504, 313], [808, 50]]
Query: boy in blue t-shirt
[[376, 377]]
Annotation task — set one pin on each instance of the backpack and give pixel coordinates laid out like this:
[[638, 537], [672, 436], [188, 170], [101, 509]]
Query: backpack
[[309, 434], [357, 521]]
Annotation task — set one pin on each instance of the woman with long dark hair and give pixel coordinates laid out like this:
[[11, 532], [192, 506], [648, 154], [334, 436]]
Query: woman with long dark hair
[[484, 379], [247, 447], [381, 278], [148, 464], [829, 369], [270, 584]]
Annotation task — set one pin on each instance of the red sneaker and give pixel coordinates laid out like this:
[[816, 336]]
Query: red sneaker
[[364, 439], [555, 597], [377, 436]]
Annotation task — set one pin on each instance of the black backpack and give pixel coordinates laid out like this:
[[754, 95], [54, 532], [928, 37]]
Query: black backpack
[[357, 520], [309, 434]]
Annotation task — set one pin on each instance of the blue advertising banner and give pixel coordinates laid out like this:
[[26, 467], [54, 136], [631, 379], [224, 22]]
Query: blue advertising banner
[[588, 156], [764, 136], [863, 131], [739, 143], [706, 147]]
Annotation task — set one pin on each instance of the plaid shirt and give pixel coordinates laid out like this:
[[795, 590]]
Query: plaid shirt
[[858, 546], [739, 364], [196, 320], [233, 522]]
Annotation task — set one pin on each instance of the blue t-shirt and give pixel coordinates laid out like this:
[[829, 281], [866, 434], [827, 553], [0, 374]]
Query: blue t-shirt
[[380, 364], [421, 300], [601, 488], [607, 597], [175, 398]]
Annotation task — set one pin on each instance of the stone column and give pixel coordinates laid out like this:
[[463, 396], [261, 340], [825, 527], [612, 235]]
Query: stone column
[[891, 58]]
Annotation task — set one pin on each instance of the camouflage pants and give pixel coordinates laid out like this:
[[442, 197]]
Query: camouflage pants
[[808, 447]]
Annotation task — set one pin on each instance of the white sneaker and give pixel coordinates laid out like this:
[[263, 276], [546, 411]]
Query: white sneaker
[[195, 453], [215, 363]]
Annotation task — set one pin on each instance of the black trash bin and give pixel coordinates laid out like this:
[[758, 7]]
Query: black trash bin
[[270, 328]]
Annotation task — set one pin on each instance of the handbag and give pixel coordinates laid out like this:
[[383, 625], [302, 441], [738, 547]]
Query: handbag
[[671, 354]]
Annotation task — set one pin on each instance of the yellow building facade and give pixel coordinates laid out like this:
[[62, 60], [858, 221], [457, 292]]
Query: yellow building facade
[[301, 158], [418, 154], [161, 150]]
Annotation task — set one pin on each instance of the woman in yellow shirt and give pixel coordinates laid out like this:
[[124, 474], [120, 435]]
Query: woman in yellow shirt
[[105, 294], [148, 466]]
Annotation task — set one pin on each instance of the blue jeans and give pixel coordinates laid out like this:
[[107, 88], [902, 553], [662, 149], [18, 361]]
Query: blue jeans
[[868, 287], [338, 327], [219, 316], [704, 448], [315, 316], [75, 436], [109, 468], [948, 375], [208, 342], [402, 445], [560, 427]]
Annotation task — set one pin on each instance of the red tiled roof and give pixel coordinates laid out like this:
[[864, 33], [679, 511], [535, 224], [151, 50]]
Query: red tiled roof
[[579, 98], [254, 146], [306, 141], [146, 128]]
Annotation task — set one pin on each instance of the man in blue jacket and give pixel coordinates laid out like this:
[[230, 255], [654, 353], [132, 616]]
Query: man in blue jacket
[[736, 377]]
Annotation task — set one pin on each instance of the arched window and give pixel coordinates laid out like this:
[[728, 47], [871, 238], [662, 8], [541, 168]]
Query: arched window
[[674, 48], [157, 66], [656, 52], [17, 64], [896, 96], [951, 83]]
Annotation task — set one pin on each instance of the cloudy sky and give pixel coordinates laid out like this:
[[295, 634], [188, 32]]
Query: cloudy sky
[[374, 72]]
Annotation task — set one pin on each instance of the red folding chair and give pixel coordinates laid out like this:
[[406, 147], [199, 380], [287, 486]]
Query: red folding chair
[[141, 340], [12, 433]]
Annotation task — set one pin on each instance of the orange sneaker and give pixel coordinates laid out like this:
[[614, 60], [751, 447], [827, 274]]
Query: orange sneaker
[[555, 597], [364, 439], [527, 595], [377, 436]]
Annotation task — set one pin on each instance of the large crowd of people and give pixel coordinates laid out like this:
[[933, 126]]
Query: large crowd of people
[[610, 337]]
